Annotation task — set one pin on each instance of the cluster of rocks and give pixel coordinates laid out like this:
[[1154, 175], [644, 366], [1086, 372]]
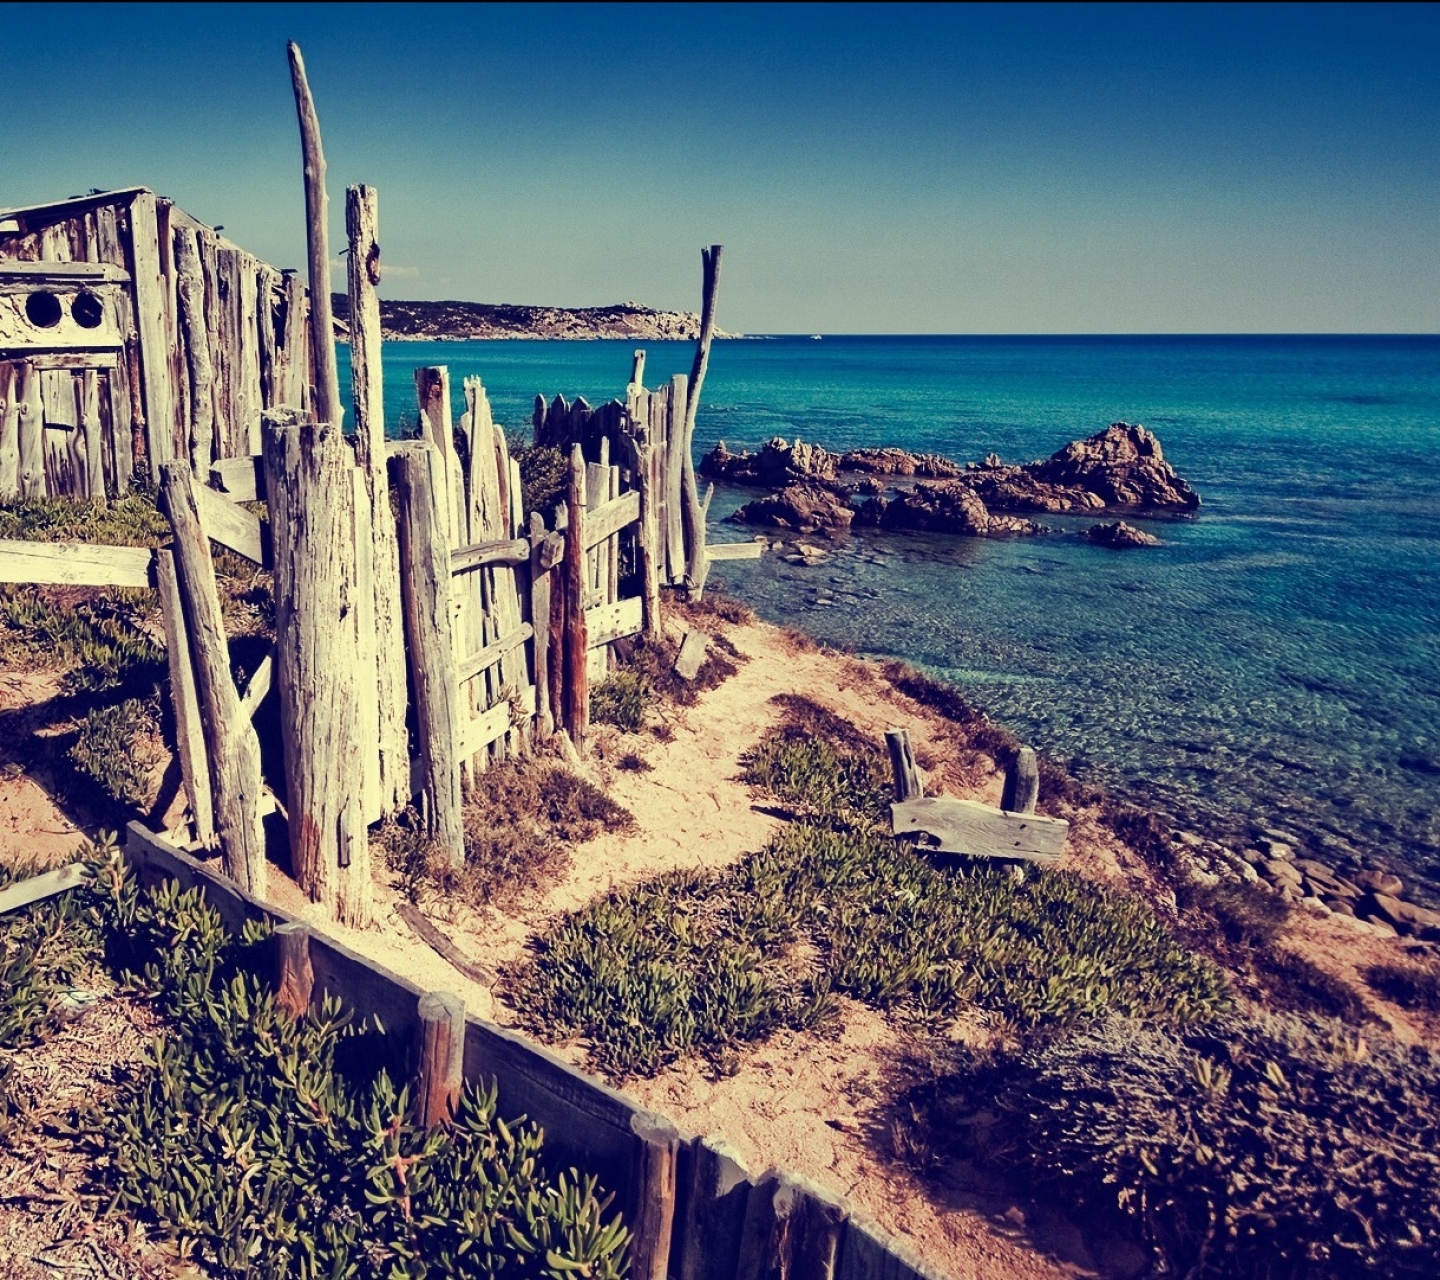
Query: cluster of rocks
[[1122, 467], [1372, 897]]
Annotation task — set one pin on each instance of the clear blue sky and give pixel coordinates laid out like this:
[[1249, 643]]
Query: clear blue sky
[[935, 168]]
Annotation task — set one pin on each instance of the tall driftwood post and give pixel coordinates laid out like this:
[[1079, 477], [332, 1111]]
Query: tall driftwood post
[[189, 718], [577, 644], [325, 649], [317, 212], [697, 563], [367, 385], [1022, 783], [191, 289], [230, 739], [425, 596]]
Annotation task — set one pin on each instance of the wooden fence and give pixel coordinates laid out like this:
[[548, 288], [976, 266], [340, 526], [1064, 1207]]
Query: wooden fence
[[131, 334], [696, 1211]]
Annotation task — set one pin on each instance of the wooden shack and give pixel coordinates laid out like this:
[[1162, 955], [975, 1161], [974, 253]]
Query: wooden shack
[[132, 334]]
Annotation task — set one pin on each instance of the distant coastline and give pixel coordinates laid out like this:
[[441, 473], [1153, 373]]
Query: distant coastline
[[404, 321]]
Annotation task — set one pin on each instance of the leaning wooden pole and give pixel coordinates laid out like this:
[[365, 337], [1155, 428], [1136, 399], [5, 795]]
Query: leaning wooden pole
[[697, 563], [425, 595], [230, 739], [367, 387], [576, 711], [325, 648], [317, 235]]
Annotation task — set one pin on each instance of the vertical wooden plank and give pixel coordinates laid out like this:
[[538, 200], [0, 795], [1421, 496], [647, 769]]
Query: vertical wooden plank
[[576, 643], [905, 773], [367, 385], [267, 298], [185, 703], [323, 631], [653, 1180], [514, 672], [190, 279], [425, 594], [30, 431], [716, 1196], [88, 383], [229, 263], [637, 372], [217, 331], [295, 362], [1022, 783], [248, 355], [440, 1073], [540, 578], [233, 748], [697, 565], [674, 478], [166, 225], [9, 432], [432, 392]]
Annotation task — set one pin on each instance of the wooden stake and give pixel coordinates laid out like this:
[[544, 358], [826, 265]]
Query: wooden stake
[[189, 724], [1022, 783], [367, 384], [577, 681], [153, 363], [653, 1178], [230, 739], [908, 783], [697, 566], [425, 597], [441, 1070], [294, 977], [317, 236], [324, 634]]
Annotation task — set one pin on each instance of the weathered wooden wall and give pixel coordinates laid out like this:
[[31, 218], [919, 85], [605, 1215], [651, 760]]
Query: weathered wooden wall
[[168, 341]]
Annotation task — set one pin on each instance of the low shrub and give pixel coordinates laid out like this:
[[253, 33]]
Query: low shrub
[[544, 474], [1246, 1147], [99, 639], [1411, 986], [621, 699], [117, 747], [131, 521]]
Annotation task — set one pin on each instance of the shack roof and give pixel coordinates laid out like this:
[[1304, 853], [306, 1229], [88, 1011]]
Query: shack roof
[[74, 204]]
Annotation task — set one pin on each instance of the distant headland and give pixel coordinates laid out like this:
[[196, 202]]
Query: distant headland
[[402, 321]]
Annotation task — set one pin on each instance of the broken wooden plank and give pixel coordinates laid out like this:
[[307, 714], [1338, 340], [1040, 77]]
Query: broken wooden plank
[[735, 550], [75, 564], [607, 622], [692, 655], [479, 733], [37, 888], [606, 520], [479, 555], [487, 657], [240, 479], [964, 826], [441, 944], [259, 685], [233, 526]]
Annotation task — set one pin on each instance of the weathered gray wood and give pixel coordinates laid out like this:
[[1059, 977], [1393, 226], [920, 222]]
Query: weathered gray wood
[[637, 370], [576, 644], [232, 526], [153, 348], [294, 374], [734, 551], [240, 479], [185, 701], [259, 685], [606, 623], [653, 1179], [294, 976], [31, 430], [230, 741], [717, 1191], [867, 1253], [432, 393], [905, 773], [675, 443], [482, 659], [193, 327], [324, 650], [77, 564], [496, 722], [9, 433], [697, 566], [605, 521], [441, 1057], [691, 657], [1022, 783], [327, 406], [442, 945], [540, 623], [963, 826], [69, 273], [425, 594], [367, 384], [761, 1229], [48, 884], [88, 383], [480, 555]]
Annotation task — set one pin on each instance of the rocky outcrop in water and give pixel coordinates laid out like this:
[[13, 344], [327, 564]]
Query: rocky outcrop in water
[[1120, 536], [942, 506], [897, 462], [1122, 467], [778, 463], [805, 508]]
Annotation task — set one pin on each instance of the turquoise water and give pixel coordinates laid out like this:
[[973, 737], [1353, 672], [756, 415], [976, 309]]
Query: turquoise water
[[1276, 662]]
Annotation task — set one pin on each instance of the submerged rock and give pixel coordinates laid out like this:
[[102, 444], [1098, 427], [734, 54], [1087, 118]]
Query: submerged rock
[[1120, 536], [805, 508]]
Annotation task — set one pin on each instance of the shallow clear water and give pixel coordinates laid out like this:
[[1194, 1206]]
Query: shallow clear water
[[1276, 661]]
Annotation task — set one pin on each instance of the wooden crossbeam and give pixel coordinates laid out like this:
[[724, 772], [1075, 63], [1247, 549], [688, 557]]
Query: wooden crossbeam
[[232, 526], [479, 555], [240, 479], [76, 564], [37, 888], [479, 733], [607, 622], [967, 827], [492, 653], [607, 520], [735, 550]]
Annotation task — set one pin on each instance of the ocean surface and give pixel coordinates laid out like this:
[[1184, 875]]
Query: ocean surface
[[1275, 663]]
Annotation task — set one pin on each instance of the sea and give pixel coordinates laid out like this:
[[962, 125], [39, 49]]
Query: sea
[[1273, 665]]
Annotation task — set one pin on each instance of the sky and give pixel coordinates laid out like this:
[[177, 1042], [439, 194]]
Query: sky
[[869, 168]]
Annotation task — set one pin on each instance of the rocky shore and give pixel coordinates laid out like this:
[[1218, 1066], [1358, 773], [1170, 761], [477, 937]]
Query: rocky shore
[[1119, 469]]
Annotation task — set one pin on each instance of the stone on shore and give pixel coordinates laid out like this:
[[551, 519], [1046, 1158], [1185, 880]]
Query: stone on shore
[[778, 464], [804, 508], [1119, 536]]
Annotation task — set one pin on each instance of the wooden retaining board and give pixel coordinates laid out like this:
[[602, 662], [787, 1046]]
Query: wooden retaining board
[[977, 830], [76, 564]]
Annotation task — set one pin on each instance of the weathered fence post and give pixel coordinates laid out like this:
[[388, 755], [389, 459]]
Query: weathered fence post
[[31, 433], [294, 978], [577, 678], [440, 1072], [9, 432], [715, 1199], [425, 596], [317, 227], [324, 640], [230, 738], [653, 1182], [543, 553], [697, 564], [908, 783], [189, 723], [1022, 783], [89, 384], [191, 292], [367, 384], [432, 391]]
